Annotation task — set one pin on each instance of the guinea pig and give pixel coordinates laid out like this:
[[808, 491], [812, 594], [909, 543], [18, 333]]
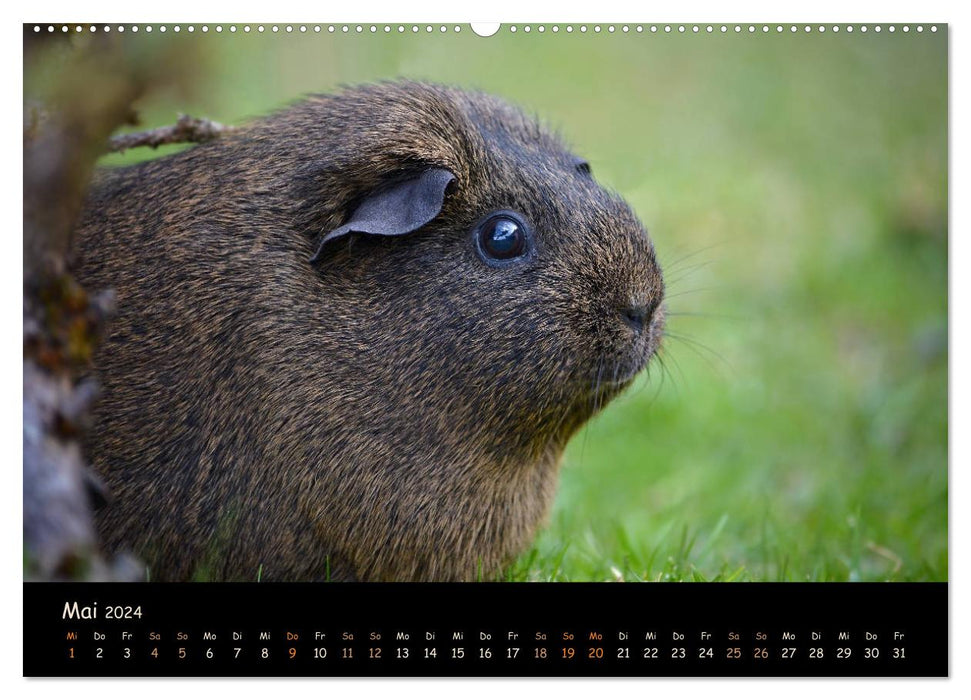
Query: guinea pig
[[354, 338]]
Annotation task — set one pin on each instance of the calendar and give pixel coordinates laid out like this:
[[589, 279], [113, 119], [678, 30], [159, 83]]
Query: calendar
[[650, 630], [553, 349]]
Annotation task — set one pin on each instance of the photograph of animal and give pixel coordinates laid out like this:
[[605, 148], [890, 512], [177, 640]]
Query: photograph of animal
[[354, 338], [406, 303]]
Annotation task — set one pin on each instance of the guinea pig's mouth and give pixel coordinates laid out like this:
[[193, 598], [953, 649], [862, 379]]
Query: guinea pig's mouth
[[613, 380], [612, 377], [617, 365]]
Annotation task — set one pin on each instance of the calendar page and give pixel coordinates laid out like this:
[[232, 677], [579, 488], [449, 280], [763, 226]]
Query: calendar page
[[546, 349]]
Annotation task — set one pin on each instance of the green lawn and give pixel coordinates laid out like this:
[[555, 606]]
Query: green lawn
[[796, 189]]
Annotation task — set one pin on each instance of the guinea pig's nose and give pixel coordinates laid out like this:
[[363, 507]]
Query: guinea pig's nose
[[636, 316]]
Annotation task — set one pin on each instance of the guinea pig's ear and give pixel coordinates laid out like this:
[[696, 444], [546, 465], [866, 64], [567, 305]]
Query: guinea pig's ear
[[402, 208]]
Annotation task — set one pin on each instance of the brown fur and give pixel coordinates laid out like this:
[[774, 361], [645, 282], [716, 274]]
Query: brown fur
[[396, 411]]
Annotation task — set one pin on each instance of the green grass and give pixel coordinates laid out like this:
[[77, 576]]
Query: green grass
[[796, 190]]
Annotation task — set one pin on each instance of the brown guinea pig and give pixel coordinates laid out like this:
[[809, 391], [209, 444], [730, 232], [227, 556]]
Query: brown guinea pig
[[355, 337]]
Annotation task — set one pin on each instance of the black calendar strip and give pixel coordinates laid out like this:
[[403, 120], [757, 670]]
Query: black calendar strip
[[557, 629]]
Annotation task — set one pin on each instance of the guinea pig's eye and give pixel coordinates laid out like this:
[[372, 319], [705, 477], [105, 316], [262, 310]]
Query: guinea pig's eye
[[502, 237]]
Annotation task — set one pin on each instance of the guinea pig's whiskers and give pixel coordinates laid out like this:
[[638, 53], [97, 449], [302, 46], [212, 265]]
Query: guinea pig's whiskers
[[707, 354], [650, 375], [676, 273], [685, 272], [594, 408], [597, 385], [665, 375], [650, 379], [703, 314], [663, 356], [682, 268], [616, 373], [668, 297], [672, 266]]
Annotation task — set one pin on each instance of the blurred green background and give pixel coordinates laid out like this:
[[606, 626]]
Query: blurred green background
[[795, 186]]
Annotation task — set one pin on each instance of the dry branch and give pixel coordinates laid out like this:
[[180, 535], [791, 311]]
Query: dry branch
[[91, 96], [186, 130]]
